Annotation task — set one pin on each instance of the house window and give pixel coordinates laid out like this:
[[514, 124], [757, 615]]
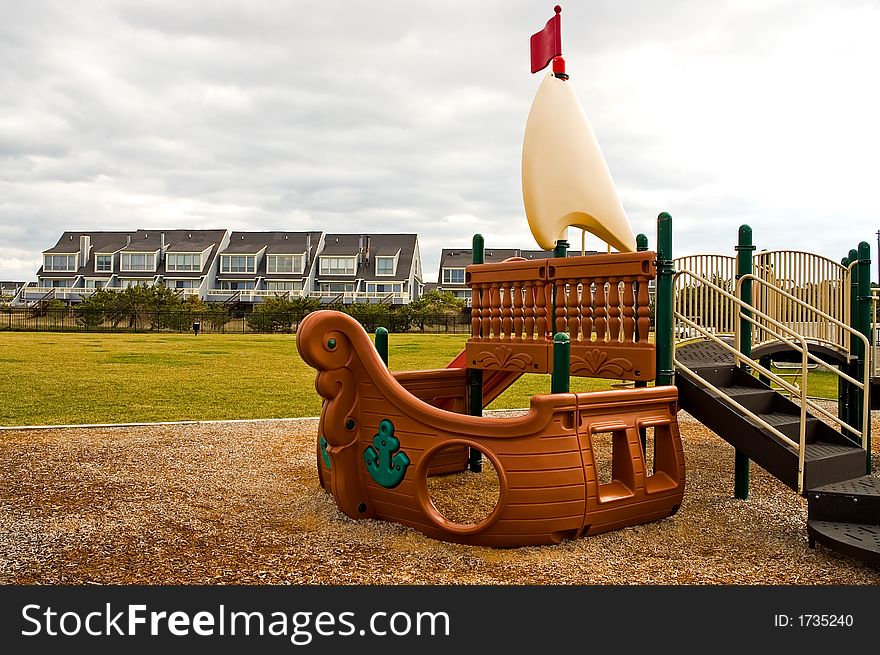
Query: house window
[[58, 284], [191, 262], [184, 284], [138, 261], [95, 284], [385, 265], [385, 288], [453, 276], [134, 283], [236, 286], [284, 263], [338, 288], [284, 286], [238, 264], [59, 263], [103, 263], [337, 265]]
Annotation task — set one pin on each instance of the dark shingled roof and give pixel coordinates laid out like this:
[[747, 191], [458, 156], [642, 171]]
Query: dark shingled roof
[[177, 241], [275, 243], [379, 245]]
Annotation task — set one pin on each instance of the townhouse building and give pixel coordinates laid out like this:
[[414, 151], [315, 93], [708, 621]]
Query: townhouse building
[[369, 268], [217, 265], [454, 261], [81, 262], [254, 265], [9, 289]]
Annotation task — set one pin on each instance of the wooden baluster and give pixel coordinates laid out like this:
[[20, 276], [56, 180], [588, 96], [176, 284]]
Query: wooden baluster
[[614, 309], [486, 313], [540, 311], [601, 311], [506, 311], [629, 311], [529, 310], [587, 310], [559, 318], [476, 322], [495, 303], [574, 313], [642, 310], [517, 310]]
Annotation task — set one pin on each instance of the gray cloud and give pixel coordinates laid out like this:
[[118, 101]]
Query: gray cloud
[[388, 116]]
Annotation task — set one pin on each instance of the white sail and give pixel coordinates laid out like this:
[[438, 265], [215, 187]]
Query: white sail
[[565, 179]]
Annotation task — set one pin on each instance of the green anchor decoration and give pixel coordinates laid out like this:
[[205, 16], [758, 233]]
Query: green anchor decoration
[[384, 468], [323, 443]]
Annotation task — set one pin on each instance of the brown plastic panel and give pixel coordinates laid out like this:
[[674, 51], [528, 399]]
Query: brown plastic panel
[[544, 460], [600, 301]]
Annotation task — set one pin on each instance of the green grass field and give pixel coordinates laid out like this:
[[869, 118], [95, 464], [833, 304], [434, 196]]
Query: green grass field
[[69, 378]]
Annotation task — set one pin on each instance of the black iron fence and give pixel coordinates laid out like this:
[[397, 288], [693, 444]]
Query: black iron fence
[[218, 321]]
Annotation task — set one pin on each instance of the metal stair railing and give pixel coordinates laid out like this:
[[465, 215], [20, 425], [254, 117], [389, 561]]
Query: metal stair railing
[[748, 313], [863, 384]]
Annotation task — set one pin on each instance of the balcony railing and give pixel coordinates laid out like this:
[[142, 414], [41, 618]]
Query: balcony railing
[[246, 295]]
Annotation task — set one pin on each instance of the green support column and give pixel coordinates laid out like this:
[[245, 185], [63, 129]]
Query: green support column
[[382, 343], [561, 250], [854, 345], [863, 325], [843, 385], [641, 246], [663, 305], [475, 375], [560, 380], [744, 250]]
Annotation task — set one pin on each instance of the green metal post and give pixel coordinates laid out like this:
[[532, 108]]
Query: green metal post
[[561, 250], [475, 376], [863, 325], [382, 343], [843, 385], [560, 380], [744, 257], [855, 347], [641, 246], [663, 305]]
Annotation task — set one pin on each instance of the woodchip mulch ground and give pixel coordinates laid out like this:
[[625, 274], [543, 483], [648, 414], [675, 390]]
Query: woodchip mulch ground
[[239, 503]]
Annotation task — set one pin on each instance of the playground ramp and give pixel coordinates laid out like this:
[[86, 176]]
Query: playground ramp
[[844, 503]]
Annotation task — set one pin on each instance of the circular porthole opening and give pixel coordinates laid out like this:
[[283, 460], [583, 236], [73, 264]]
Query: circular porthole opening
[[463, 497]]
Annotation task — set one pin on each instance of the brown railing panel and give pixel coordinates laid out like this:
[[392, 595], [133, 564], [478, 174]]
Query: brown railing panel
[[601, 301]]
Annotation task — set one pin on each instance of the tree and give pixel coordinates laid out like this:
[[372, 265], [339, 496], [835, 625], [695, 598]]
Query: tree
[[370, 315], [435, 304], [279, 314], [140, 305]]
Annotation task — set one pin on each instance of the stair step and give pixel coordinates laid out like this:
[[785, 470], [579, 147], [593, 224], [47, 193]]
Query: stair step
[[856, 540], [852, 501], [738, 391], [789, 424], [866, 485]]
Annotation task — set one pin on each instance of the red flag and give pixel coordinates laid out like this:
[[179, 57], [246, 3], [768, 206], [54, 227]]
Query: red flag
[[547, 43]]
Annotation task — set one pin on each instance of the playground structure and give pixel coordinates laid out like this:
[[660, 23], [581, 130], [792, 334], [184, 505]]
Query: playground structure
[[720, 324], [382, 435]]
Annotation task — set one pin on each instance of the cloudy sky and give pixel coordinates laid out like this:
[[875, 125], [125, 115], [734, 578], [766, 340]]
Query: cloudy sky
[[408, 116]]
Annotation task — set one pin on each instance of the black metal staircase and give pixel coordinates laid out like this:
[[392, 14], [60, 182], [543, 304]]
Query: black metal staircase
[[834, 466]]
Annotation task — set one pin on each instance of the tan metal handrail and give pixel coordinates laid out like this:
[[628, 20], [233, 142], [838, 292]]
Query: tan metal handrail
[[752, 315], [863, 384]]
